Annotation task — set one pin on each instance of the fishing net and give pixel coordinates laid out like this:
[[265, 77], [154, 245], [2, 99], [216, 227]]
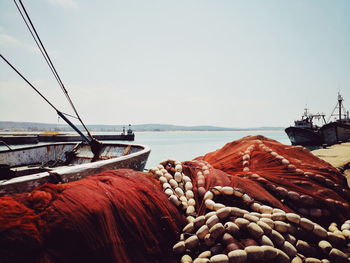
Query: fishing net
[[253, 200], [256, 200], [115, 216], [287, 177]]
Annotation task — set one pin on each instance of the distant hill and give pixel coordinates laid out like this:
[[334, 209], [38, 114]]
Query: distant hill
[[169, 127], [35, 126]]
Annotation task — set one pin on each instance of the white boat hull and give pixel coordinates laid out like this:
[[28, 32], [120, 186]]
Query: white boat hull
[[113, 156]]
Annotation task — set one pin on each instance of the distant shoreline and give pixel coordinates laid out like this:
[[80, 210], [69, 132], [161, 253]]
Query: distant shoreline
[[9, 126], [240, 130], [17, 132]]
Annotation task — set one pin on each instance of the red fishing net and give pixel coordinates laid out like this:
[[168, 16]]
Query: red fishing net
[[115, 216], [124, 216], [287, 177], [257, 200]]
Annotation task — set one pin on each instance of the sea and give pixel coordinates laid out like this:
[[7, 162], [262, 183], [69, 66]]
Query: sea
[[187, 145]]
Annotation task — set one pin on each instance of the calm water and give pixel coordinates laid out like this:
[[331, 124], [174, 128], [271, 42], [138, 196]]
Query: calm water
[[190, 144]]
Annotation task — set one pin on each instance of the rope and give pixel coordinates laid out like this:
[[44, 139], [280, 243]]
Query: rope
[[47, 58], [30, 84], [36, 41], [94, 145]]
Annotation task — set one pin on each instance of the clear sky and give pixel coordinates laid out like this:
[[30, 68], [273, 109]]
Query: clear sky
[[209, 62]]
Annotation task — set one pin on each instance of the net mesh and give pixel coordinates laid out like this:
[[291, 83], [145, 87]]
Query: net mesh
[[287, 177], [128, 216], [115, 216]]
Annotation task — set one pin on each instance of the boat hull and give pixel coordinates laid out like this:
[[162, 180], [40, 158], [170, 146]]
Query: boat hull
[[335, 132], [303, 136], [112, 156]]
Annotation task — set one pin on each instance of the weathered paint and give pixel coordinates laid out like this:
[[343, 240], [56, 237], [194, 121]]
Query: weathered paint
[[82, 166], [35, 154]]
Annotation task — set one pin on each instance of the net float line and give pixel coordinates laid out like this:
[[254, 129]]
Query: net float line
[[114, 216], [254, 232], [241, 217], [295, 177], [250, 231], [180, 188]]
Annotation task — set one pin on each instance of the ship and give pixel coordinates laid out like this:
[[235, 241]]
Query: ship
[[337, 131], [305, 132]]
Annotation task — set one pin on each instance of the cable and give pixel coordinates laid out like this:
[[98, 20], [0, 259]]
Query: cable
[[92, 142], [36, 41], [30, 84], [48, 59], [75, 117]]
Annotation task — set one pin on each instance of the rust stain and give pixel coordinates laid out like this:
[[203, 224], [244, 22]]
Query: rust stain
[[106, 157], [126, 150]]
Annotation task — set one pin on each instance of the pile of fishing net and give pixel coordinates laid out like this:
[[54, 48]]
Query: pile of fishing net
[[254, 200], [115, 216]]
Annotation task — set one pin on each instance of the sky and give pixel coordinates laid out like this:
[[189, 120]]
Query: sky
[[209, 62]]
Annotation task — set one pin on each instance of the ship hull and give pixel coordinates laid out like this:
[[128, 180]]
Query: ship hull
[[303, 136], [335, 132]]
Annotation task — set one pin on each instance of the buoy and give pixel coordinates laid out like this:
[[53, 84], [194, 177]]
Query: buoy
[[254, 253], [231, 228], [255, 230], [179, 247], [192, 242], [238, 256], [202, 231], [217, 230]]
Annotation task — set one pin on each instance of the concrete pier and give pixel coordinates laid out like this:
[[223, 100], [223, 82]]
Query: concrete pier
[[22, 138]]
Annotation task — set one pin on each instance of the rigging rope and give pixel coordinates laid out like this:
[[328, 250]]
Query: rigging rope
[[93, 142], [47, 58], [36, 41], [30, 84]]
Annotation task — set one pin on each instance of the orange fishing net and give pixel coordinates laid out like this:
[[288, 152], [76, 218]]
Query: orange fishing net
[[287, 177], [115, 216], [257, 200], [128, 216]]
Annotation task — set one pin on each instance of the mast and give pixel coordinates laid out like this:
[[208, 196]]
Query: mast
[[341, 109], [306, 112], [340, 100]]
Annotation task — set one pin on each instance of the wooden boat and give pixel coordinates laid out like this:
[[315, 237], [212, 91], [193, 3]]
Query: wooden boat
[[23, 169]]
